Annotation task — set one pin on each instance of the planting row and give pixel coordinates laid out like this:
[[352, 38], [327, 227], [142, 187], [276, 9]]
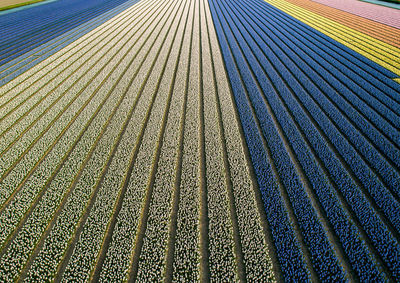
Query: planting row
[[27, 29], [123, 158], [277, 91], [98, 86]]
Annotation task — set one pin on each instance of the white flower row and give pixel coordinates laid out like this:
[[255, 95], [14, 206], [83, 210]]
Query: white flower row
[[257, 262], [91, 61], [152, 258], [49, 257], [43, 172], [34, 154], [117, 263], [221, 243], [63, 56]]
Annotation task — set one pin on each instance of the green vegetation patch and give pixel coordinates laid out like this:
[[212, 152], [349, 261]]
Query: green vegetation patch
[[19, 5]]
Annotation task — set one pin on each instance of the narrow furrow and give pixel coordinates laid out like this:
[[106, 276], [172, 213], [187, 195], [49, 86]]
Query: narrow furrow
[[43, 170], [11, 70], [222, 245], [44, 253], [294, 264], [243, 203], [356, 172], [152, 256]]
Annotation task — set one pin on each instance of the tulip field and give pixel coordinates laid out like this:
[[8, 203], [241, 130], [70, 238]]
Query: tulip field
[[200, 140]]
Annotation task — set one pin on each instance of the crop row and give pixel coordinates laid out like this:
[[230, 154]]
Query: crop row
[[39, 174], [385, 198], [12, 69], [34, 122], [22, 196], [29, 30], [137, 144], [343, 226], [292, 263], [277, 65]]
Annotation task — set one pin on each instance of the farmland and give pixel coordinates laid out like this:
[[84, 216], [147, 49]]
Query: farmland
[[10, 4], [145, 140]]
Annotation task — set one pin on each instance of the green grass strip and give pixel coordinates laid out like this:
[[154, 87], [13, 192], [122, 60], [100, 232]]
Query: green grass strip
[[19, 5]]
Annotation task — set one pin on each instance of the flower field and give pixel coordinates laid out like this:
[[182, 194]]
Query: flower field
[[226, 141]]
